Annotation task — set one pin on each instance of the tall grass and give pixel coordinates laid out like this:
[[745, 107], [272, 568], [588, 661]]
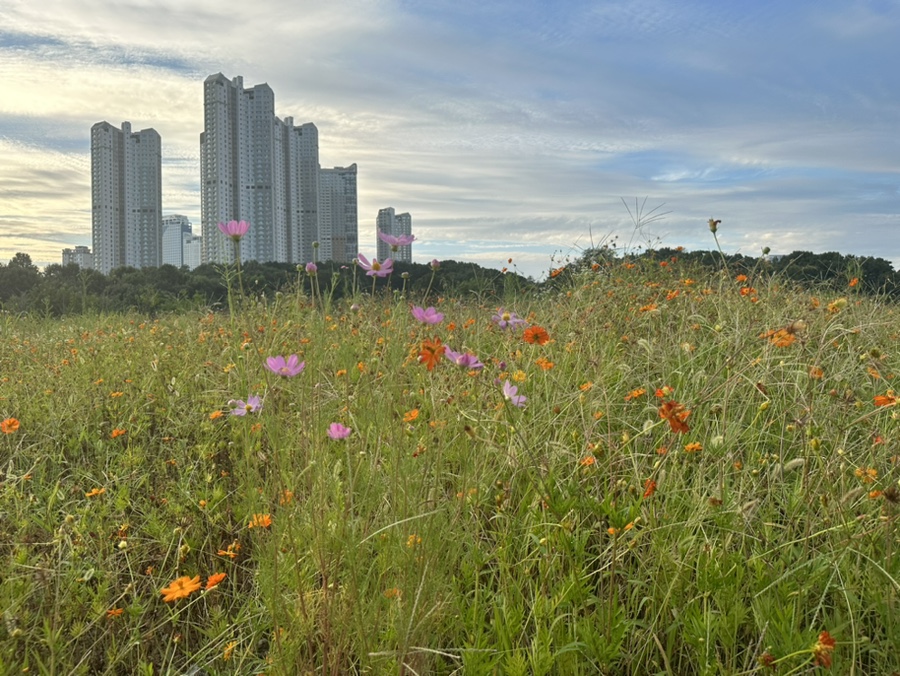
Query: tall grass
[[453, 532]]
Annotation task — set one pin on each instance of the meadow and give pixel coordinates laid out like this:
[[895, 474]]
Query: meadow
[[658, 470]]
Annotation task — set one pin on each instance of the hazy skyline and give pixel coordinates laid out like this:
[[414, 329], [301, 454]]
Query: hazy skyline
[[507, 129]]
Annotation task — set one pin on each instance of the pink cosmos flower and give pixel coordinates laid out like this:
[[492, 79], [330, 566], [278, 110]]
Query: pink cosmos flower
[[287, 368], [338, 431], [428, 315], [375, 268], [507, 320], [234, 229], [396, 241], [464, 359], [510, 393], [252, 405]]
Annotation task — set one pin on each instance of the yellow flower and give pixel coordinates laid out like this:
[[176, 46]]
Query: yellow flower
[[94, 492]]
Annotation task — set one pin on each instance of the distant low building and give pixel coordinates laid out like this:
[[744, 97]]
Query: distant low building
[[174, 226], [80, 256], [191, 250], [391, 223]]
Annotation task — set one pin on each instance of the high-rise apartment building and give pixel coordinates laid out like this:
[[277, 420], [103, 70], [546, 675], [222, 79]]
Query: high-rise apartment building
[[126, 197], [174, 228], [338, 215], [391, 223], [80, 256], [257, 168]]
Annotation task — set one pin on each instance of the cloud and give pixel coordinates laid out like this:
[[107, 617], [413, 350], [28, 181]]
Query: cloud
[[509, 125]]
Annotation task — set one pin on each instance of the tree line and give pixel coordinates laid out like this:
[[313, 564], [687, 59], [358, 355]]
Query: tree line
[[64, 290], [61, 290]]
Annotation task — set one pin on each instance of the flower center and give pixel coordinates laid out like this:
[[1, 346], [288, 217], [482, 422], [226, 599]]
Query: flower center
[[505, 316], [376, 265]]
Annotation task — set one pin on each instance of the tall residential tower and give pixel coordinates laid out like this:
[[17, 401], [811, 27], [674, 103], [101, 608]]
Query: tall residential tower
[[126, 197], [338, 215], [255, 167]]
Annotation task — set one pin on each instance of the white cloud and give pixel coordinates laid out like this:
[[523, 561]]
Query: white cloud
[[500, 123]]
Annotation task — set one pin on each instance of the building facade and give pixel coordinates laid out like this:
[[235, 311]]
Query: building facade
[[191, 250], [80, 256], [126, 197], [338, 215], [174, 228], [257, 168], [391, 223]]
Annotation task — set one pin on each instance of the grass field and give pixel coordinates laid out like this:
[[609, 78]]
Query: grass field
[[702, 479]]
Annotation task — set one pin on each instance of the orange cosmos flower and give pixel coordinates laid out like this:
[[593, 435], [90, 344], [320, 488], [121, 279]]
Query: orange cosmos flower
[[822, 650], [114, 612], [409, 416], [649, 488], [544, 363], [887, 399], [9, 426], [260, 521], [118, 432], [634, 394], [431, 353], [676, 415], [94, 492], [180, 588], [536, 334], [214, 580], [693, 447]]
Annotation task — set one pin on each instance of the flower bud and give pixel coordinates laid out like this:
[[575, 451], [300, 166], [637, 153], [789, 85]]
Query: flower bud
[[713, 225]]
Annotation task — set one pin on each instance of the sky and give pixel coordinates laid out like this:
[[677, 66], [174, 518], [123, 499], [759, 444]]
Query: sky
[[507, 128]]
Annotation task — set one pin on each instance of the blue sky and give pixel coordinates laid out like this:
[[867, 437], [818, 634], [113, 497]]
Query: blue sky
[[507, 129]]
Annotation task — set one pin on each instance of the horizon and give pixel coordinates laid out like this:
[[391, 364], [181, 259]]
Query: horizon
[[505, 130]]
